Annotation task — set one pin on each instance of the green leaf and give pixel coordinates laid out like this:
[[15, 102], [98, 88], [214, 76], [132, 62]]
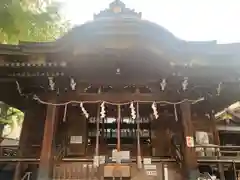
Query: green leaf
[[30, 20]]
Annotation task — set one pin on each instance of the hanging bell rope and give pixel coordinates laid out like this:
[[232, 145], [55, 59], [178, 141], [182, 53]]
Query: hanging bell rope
[[118, 129], [139, 157], [175, 112], [65, 113], [97, 137]]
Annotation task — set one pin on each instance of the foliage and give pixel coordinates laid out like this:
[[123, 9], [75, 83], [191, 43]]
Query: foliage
[[27, 20], [30, 20], [9, 114]]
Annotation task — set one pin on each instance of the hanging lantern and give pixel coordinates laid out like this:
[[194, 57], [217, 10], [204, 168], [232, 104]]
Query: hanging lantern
[[73, 84], [133, 112], [51, 83], [102, 112], [154, 108], [84, 110]]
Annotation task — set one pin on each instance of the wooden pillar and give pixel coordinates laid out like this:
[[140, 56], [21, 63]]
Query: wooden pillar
[[119, 128], [216, 141], [46, 157], [25, 141], [190, 164]]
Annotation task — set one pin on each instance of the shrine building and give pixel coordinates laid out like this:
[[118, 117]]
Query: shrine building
[[121, 97]]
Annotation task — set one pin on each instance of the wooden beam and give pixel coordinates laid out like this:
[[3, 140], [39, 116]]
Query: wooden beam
[[46, 157], [112, 97], [189, 154]]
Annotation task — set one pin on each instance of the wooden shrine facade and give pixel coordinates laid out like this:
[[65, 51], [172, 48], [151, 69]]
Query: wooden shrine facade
[[118, 82]]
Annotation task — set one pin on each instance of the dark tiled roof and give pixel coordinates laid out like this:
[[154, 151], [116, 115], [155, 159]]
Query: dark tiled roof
[[147, 28]]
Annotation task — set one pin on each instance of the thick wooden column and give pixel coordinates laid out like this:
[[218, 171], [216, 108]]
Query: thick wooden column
[[22, 144], [46, 157], [190, 164], [31, 116]]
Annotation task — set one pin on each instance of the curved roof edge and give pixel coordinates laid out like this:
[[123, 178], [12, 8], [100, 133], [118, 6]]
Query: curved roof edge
[[180, 45], [118, 12]]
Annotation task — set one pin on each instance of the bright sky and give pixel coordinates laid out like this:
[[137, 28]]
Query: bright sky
[[187, 19]]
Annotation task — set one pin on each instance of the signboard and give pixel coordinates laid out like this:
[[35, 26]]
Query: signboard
[[97, 160], [150, 167], [118, 156], [151, 173], [76, 140], [147, 161], [190, 141]]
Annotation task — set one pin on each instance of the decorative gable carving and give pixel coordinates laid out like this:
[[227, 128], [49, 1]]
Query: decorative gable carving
[[117, 9]]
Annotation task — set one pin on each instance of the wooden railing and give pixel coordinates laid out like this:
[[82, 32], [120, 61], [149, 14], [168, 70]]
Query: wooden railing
[[220, 153], [215, 153], [74, 171], [33, 152], [177, 153], [15, 152], [60, 152], [61, 149], [27, 176], [205, 176]]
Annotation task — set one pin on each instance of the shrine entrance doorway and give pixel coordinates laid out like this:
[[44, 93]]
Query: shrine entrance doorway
[[118, 130]]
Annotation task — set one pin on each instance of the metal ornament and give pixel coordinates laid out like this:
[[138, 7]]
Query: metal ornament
[[19, 88], [118, 71], [219, 89], [185, 84], [73, 84], [51, 83], [163, 84], [208, 115]]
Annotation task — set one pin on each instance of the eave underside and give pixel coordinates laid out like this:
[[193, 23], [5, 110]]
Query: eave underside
[[10, 94], [139, 69], [140, 60]]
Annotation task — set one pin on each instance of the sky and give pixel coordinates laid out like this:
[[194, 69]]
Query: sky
[[195, 20]]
